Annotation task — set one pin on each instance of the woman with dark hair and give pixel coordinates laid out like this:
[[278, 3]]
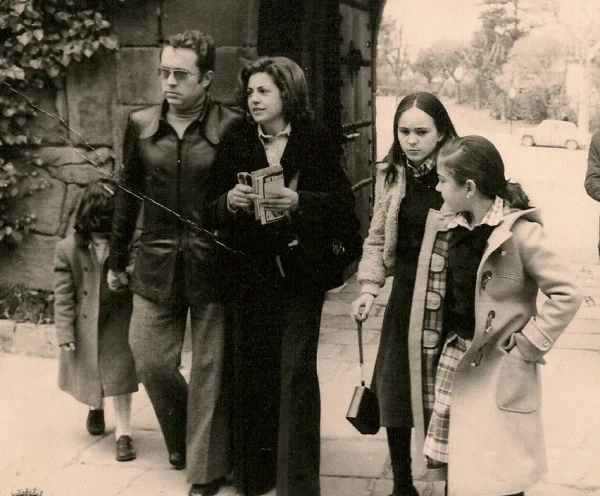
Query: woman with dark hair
[[92, 322], [280, 278], [404, 194]]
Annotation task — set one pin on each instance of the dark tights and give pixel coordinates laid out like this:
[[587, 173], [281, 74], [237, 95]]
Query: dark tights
[[399, 444]]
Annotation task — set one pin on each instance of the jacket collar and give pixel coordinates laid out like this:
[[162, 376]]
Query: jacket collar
[[440, 220], [81, 241], [208, 121], [504, 230]]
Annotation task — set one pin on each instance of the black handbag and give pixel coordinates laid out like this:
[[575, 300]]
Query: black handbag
[[363, 412], [344, 251], [338, 254]]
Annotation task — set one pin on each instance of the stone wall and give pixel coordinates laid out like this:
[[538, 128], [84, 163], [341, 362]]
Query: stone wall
[[95, 99]]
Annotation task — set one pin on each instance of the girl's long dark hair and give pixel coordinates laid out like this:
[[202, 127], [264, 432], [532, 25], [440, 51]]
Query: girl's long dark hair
[[476, 158], [96, 208], [428, 103]]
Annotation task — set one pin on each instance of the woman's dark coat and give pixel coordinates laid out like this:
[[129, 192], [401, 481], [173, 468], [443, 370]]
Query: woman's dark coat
[[274, 350], [325, 201]]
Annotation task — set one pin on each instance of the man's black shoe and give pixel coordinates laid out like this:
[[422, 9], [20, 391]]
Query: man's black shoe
[[95, 422], [209, 489], [408, 492], [125, 450], [177, 460]]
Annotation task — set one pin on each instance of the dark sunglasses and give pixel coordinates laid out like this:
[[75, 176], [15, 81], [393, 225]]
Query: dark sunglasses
[[180, 75]]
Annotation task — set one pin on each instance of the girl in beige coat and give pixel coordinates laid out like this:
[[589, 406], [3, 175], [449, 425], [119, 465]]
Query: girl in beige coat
[[478, 278], [92, 322]]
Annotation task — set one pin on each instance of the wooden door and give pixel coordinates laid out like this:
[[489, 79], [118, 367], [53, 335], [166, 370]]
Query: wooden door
[[357, 100]]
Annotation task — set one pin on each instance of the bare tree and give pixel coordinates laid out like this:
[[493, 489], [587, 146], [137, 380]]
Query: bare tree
[[501, 26], [538, 61], [578, 21], [392, 52], [441, 59]]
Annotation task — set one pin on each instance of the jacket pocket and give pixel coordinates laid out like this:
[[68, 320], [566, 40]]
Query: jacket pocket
[[518, 385]]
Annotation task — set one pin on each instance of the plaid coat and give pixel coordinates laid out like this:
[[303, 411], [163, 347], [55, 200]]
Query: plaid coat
[[496, 443]]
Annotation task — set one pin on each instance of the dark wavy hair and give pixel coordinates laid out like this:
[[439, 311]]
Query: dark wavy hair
[[202, 44], [476, 158], [428, 103], [96, 207], [289, 79]]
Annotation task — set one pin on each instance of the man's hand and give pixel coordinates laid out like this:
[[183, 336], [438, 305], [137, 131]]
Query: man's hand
[[117, 280], [285, 200]]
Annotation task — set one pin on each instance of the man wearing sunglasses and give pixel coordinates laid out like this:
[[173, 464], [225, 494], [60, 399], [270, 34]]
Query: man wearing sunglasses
[[167, 153]]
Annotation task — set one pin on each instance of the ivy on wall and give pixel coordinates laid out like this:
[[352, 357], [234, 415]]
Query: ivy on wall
[[39, 39]]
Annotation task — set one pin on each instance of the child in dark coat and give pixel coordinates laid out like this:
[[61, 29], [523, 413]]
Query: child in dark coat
[[92, 322]]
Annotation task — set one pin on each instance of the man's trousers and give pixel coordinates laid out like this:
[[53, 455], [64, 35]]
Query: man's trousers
[[156, 337]]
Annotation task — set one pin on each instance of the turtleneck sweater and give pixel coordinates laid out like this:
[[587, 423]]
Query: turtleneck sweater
[[180, 118]]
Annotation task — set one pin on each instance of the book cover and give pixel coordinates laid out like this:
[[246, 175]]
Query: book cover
[[267, 182]]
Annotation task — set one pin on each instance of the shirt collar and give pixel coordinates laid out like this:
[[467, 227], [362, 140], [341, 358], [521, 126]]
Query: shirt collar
[[424, 168], [269, 137], [493, 217]]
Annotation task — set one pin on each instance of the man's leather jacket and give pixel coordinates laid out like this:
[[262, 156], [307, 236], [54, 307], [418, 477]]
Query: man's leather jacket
[[169, 174]]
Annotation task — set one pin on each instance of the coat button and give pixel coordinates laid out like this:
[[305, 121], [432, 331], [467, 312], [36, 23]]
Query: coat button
[[485, 278], [85, 269], [488, 323], [546, 343], [85, 293]]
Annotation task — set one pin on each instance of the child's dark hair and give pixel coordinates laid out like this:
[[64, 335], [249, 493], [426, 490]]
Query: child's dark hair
[[476, 158], [428, 103], [96, 207]]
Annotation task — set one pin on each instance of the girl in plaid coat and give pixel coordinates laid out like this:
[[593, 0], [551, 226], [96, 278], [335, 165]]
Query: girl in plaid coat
[[479, 273]]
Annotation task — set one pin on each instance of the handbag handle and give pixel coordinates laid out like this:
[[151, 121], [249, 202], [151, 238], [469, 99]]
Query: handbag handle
[[360, 353]]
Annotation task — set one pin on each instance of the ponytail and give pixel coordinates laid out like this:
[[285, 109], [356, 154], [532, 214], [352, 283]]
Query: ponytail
[[515, 196]]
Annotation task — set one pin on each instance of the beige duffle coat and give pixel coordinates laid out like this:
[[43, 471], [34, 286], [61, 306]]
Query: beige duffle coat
[[96, 320], [496, 443]]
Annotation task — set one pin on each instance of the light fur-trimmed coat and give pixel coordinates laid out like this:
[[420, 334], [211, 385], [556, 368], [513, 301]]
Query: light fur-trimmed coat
[[379, 249]]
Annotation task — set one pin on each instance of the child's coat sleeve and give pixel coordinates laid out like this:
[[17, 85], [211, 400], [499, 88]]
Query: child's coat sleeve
[[64, 297], [555, 281]]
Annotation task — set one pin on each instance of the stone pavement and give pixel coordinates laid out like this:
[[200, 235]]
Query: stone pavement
[[44, 444]]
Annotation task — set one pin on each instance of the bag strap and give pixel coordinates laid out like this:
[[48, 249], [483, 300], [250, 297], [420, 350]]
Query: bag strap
[[360, 354]]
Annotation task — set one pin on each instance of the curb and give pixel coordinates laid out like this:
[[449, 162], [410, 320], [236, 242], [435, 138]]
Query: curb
[[26, 338]]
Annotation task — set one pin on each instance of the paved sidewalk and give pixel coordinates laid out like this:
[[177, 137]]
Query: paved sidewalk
[[44, 443]]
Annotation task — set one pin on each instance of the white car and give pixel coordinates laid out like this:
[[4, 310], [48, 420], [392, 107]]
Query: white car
[[554, 133]]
